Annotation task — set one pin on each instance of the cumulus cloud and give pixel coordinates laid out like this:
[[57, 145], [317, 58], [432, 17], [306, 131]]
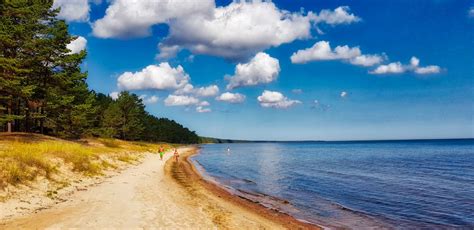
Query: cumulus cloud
[[238, 30], [235, 31], [367, 60], [394, 67], [186, 89], [77, 45], [204, 103], [322, 51], [167, 52], [160, 77], [201, 109], [343, 94], [340, 15], [149, 100], [414, 66], [180, 100], [231, 97], [114, 95], [273, 99], [73, 10], [133, 18], [208, 91], [431, 69], [260, 69]]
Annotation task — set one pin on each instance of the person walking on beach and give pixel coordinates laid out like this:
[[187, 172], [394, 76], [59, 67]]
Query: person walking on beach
[[176, 155], [161, 153]]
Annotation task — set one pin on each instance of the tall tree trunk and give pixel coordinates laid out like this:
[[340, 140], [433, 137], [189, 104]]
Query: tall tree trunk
[[9, 124], [42, 120], [27, 116], [18, 113]]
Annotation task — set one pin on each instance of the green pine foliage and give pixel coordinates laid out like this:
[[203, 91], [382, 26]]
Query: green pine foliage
[[44, 90]]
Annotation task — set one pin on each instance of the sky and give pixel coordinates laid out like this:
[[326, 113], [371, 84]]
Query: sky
[[286, 70]]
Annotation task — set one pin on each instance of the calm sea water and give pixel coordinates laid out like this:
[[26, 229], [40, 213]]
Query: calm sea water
[[405, 184]]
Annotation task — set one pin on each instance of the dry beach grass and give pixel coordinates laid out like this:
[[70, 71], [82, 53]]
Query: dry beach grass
[[24, 157]]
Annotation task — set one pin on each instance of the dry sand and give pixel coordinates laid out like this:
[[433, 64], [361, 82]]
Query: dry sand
[[145, 197]]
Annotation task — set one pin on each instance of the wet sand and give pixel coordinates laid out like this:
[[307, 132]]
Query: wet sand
[[225, 209]]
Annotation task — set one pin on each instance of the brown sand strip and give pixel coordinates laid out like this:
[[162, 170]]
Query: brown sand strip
[[226, 210]]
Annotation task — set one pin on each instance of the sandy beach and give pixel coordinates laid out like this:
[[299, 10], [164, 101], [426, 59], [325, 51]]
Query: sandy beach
[[154, 194]]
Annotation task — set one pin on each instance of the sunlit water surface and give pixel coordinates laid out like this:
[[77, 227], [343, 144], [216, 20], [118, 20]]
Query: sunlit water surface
[[401, 184]]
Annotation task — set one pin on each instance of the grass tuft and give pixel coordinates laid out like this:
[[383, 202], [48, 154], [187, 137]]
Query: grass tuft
[[22, 160]]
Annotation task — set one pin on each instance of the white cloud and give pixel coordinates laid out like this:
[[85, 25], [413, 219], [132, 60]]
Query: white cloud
[[273, 99], [201, 109], [204, 103], [340, 15], [134, 18], [414, 62], [114, 95], [414, 66], [73, 10], [367, 60], [231, 97], [77, 45], [238, 30], [343, 94], [394, 67], [167, 52], [235, 31], [321, 51], [470, 13], [431, 69], [161, 77], [186, 89], [260, 69], [149, 100], [209, 91], [180, 100]]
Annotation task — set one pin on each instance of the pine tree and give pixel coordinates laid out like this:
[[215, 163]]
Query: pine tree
[[42, 87], [19, 21], [112, 121], [133, 112]]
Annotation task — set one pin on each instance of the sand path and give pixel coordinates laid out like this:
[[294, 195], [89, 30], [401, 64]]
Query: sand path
[[136, 198], [140, 197]]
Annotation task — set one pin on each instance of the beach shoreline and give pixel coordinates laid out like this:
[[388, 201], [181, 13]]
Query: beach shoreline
[[186, 174], [154, 194]]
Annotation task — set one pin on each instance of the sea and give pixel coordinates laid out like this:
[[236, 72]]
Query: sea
[[419, 184]]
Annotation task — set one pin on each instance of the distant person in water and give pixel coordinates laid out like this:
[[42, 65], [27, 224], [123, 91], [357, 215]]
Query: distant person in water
[[228, 150], [162, 152], [176, 155]]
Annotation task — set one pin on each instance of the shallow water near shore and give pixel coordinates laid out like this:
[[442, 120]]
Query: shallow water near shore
[[399, 184]]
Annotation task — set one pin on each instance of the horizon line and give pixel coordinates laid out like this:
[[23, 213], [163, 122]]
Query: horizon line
[[362, 140]]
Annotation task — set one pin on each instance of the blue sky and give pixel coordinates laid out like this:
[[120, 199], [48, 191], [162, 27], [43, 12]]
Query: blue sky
[[370, 89]]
